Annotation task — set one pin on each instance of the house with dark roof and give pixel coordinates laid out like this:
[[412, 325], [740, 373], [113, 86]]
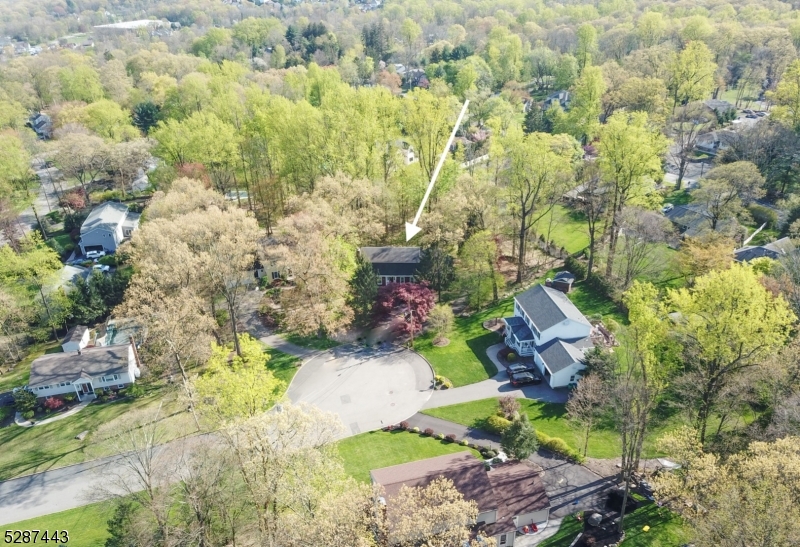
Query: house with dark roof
[[393, 264], [773, 250], [42, 125], [561, 98], [509, 496], [547, 326], [693, 220], [107, 226], [83, 371]]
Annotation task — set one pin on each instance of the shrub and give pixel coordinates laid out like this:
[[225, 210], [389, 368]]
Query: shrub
[[511, 357], [443, 382], [509, 407], [53, 403], [134, 390], [576, 267], [415, 429], [403, 425], [440, 436], [763, 215], [464, 442], [559, 446], [24, 400], [429, 432], [70, 397], [488, 453], [28, 414], [497, 424], [388, 428], [451, 438]]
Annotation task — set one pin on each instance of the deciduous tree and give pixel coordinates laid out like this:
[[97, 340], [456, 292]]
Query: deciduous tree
[[585, 404]]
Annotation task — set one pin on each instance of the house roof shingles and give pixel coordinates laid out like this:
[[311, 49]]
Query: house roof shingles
[[68, 367], [519, 328], [75, 334], [108, 215], [393, 260], [512, 489], [558, 354], [773, 250], [546, 307]]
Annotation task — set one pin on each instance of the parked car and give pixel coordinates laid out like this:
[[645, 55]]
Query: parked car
[[667, 208], [95, 254], [761, 113], [751, 116], [524, 378], [101, 268], [517, 368]]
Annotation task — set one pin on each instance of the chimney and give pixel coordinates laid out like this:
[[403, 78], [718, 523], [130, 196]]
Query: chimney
[[135, 353]]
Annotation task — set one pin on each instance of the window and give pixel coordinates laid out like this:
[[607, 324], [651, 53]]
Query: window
[[276, 275], [120, 386], [503, 539], [572, 378]]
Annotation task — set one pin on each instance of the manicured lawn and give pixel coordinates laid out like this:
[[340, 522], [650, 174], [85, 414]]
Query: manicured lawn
[[568, 228], [549, 418], [282, 365], [464, 360], [312, 342], [384, 448], [19, 375], [43, 447], [86, 525], [592, 303], [666, 529], [678, 197]]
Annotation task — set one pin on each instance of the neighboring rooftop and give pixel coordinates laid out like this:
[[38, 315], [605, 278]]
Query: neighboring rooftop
[[546, 307], [56, 368], [75, 334], [108, 215], [520, 488], [773, 250], [693, 220], [392, 261], [132, 25]]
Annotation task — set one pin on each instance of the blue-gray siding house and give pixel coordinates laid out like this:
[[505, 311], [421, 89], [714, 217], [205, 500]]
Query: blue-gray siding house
[[106, 227]]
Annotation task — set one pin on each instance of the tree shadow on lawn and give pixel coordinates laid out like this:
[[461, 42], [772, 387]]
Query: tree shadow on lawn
[[37, 462], [479, 345]]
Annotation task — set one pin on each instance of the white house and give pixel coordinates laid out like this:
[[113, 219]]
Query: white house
[[107, 226], [82, 372], [548, 327], [76, 339], [510, 496]]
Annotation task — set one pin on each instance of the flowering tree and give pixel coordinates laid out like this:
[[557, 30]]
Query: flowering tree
[[413, 300], [74, 200]]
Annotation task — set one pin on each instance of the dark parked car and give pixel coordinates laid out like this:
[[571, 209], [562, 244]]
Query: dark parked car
[[524, 378], [517, 368]]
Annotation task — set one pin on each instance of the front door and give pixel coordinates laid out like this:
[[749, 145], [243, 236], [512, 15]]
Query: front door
[[85, 388]]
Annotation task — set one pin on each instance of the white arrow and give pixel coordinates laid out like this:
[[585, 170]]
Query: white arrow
[[411, 228]]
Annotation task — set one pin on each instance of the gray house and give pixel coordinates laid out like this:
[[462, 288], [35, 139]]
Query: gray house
[[393, 264], [773, 250], [106, 227]]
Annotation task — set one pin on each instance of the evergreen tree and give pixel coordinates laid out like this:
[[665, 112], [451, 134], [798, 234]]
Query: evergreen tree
[[363, 289], [436, 267], [519, 440], [536, 121], [146, 115], [119, 525]]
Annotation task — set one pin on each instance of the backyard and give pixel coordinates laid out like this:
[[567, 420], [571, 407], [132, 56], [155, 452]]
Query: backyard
[[18, 376], [566, 227], [666, 529]]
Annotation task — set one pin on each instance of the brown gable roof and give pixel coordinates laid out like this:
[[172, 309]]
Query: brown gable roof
[[465, 470], [67, 367], [520, 486]]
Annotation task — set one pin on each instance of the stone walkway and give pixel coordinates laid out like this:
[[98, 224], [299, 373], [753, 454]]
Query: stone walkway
[[20, 421], [497, 386]]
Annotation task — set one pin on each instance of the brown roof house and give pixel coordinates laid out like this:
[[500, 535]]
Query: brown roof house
[[509, 497]]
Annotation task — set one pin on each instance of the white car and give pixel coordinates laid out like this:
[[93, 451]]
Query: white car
[[101, 268], [95, 254], [667, 208]]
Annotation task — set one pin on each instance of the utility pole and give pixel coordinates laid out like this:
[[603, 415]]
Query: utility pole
[[39, 222]]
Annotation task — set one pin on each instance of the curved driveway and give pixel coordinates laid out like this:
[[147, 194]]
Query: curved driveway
[[367, 388]]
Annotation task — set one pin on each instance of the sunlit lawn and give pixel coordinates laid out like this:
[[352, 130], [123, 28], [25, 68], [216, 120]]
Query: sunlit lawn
[[19, 375], [43, 447], [85, 525], [464, 360], [282, 365], [377, 449], [568, 228]]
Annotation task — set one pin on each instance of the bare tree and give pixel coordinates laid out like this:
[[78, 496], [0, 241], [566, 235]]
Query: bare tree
[[643, 231], [585, 404], [686, 125]]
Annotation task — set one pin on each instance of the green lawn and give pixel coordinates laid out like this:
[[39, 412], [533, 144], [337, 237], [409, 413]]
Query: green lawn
[[666, 529], [464, 360], [568, 228], [591, 303], [549, 418], [678, 197], [44, 447], [282, 365], [384, 448], [86, 525], [19, 375]]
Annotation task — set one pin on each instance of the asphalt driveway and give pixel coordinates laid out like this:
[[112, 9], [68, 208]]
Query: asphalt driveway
[[367, 388]]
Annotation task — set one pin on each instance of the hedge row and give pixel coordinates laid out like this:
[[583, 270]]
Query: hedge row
[[559, 446]]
